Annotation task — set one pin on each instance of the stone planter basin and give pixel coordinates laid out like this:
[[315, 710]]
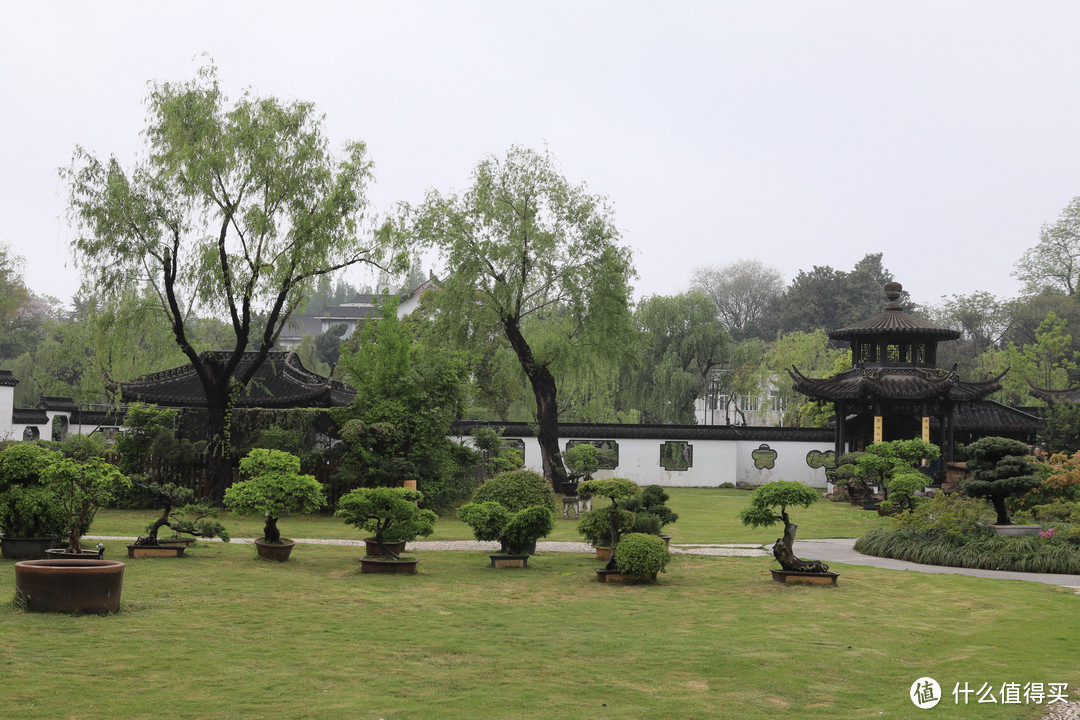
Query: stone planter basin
[[69, 586]]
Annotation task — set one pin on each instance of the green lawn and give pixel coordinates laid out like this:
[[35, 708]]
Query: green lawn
[[220, 634], [705, 515]]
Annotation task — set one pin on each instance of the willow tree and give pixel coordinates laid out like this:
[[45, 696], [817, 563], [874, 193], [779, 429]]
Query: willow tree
[[522, 244], [232, 210]]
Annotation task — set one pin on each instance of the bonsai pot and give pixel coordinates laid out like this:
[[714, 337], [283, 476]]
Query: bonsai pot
[[404, 566], [505, 561], [163, 550], [1017, 530], [615, 576], [870, 504], [372, 548], [786, 576], [184, 542], [26, 548], [69, 586], [278, 552], [602, 553]]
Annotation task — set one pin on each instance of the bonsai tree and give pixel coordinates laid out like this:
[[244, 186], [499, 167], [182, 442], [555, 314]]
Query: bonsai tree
[[595, 525], [902, 486], [768, 506], [181, 515], [516, 533], [614, 489], [391, 515], [83, 488], [641, 555], [650, 512], [494, 453], [516, 490], [28, 507], [274, 486], [1000, 468]]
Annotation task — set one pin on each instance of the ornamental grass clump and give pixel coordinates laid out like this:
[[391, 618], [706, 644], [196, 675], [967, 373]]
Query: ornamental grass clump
[[391, 515], [516, 533], [274, 486], [641, 555]]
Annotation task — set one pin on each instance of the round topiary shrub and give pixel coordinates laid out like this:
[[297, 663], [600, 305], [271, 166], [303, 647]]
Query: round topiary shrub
[[517, 490], [641, 555], [595, 525]]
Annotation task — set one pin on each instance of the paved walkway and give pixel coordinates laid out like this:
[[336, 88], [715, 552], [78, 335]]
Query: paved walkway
[[830, 551], [843, 551]]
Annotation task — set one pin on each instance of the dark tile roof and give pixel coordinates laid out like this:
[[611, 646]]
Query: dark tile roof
[[894, 321], [988, 416], [63, 404], [300, 325], [29, 416], [281, 382], [346, 312], [1069, 395], [894, 383], [7, 379]]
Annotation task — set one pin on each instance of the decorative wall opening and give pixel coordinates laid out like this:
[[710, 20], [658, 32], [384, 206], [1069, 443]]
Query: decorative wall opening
[[608, 451], [764, 457], [676, 455]]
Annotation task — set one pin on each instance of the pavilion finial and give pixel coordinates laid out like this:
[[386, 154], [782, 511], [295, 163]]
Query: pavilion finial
[[893, 291]]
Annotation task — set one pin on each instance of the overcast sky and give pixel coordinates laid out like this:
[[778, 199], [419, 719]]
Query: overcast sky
[[941, 133]]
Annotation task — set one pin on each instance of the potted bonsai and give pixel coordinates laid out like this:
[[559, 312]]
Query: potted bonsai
[[768, 506], [31, 518], [651, 514], [638, 558], [180, 515], [391, 515], [595, 527], [516, 490], [581, 462], [516, 533], [274, 486], [83, 488], [76, 581], [614, 489]]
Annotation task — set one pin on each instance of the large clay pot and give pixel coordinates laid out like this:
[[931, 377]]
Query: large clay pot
[[386, 565], [274, 551], [602, 553], [26, 548], [372, 549], [69, 586]]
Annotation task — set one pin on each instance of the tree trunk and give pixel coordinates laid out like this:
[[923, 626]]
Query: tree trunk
[[1001, 510], [783, 551], [547, 406], [219, 454]]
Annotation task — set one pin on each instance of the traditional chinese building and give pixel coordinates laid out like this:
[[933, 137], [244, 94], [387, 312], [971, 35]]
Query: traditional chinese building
[[894, 391]]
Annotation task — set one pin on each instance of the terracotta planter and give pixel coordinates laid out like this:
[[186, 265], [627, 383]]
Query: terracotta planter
[[505, 561], [614, 576], [602, 553], [26, 548], [61, 553], [274, 551], [69, 586], [784, 576], [372, 548], [166, 550], [405, 566]]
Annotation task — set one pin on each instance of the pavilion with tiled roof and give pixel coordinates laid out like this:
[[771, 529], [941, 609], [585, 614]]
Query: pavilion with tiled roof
[[894, 391], [281, 382]]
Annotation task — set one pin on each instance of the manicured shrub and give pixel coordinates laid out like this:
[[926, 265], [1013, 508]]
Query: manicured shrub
[[516, 490], [953, 514], [391, 515], [516, 532], [651, 512], [274, 487], [641, 555], [33, 511], [1000, 468]]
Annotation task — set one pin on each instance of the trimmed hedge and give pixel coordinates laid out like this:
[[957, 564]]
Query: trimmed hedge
[[641, 555], [517, 490]]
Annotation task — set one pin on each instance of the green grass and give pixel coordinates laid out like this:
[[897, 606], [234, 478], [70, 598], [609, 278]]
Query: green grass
[[705, 515], [220, 634]]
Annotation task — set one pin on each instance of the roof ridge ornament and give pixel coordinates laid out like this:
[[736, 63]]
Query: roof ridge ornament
[[893, 291]]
